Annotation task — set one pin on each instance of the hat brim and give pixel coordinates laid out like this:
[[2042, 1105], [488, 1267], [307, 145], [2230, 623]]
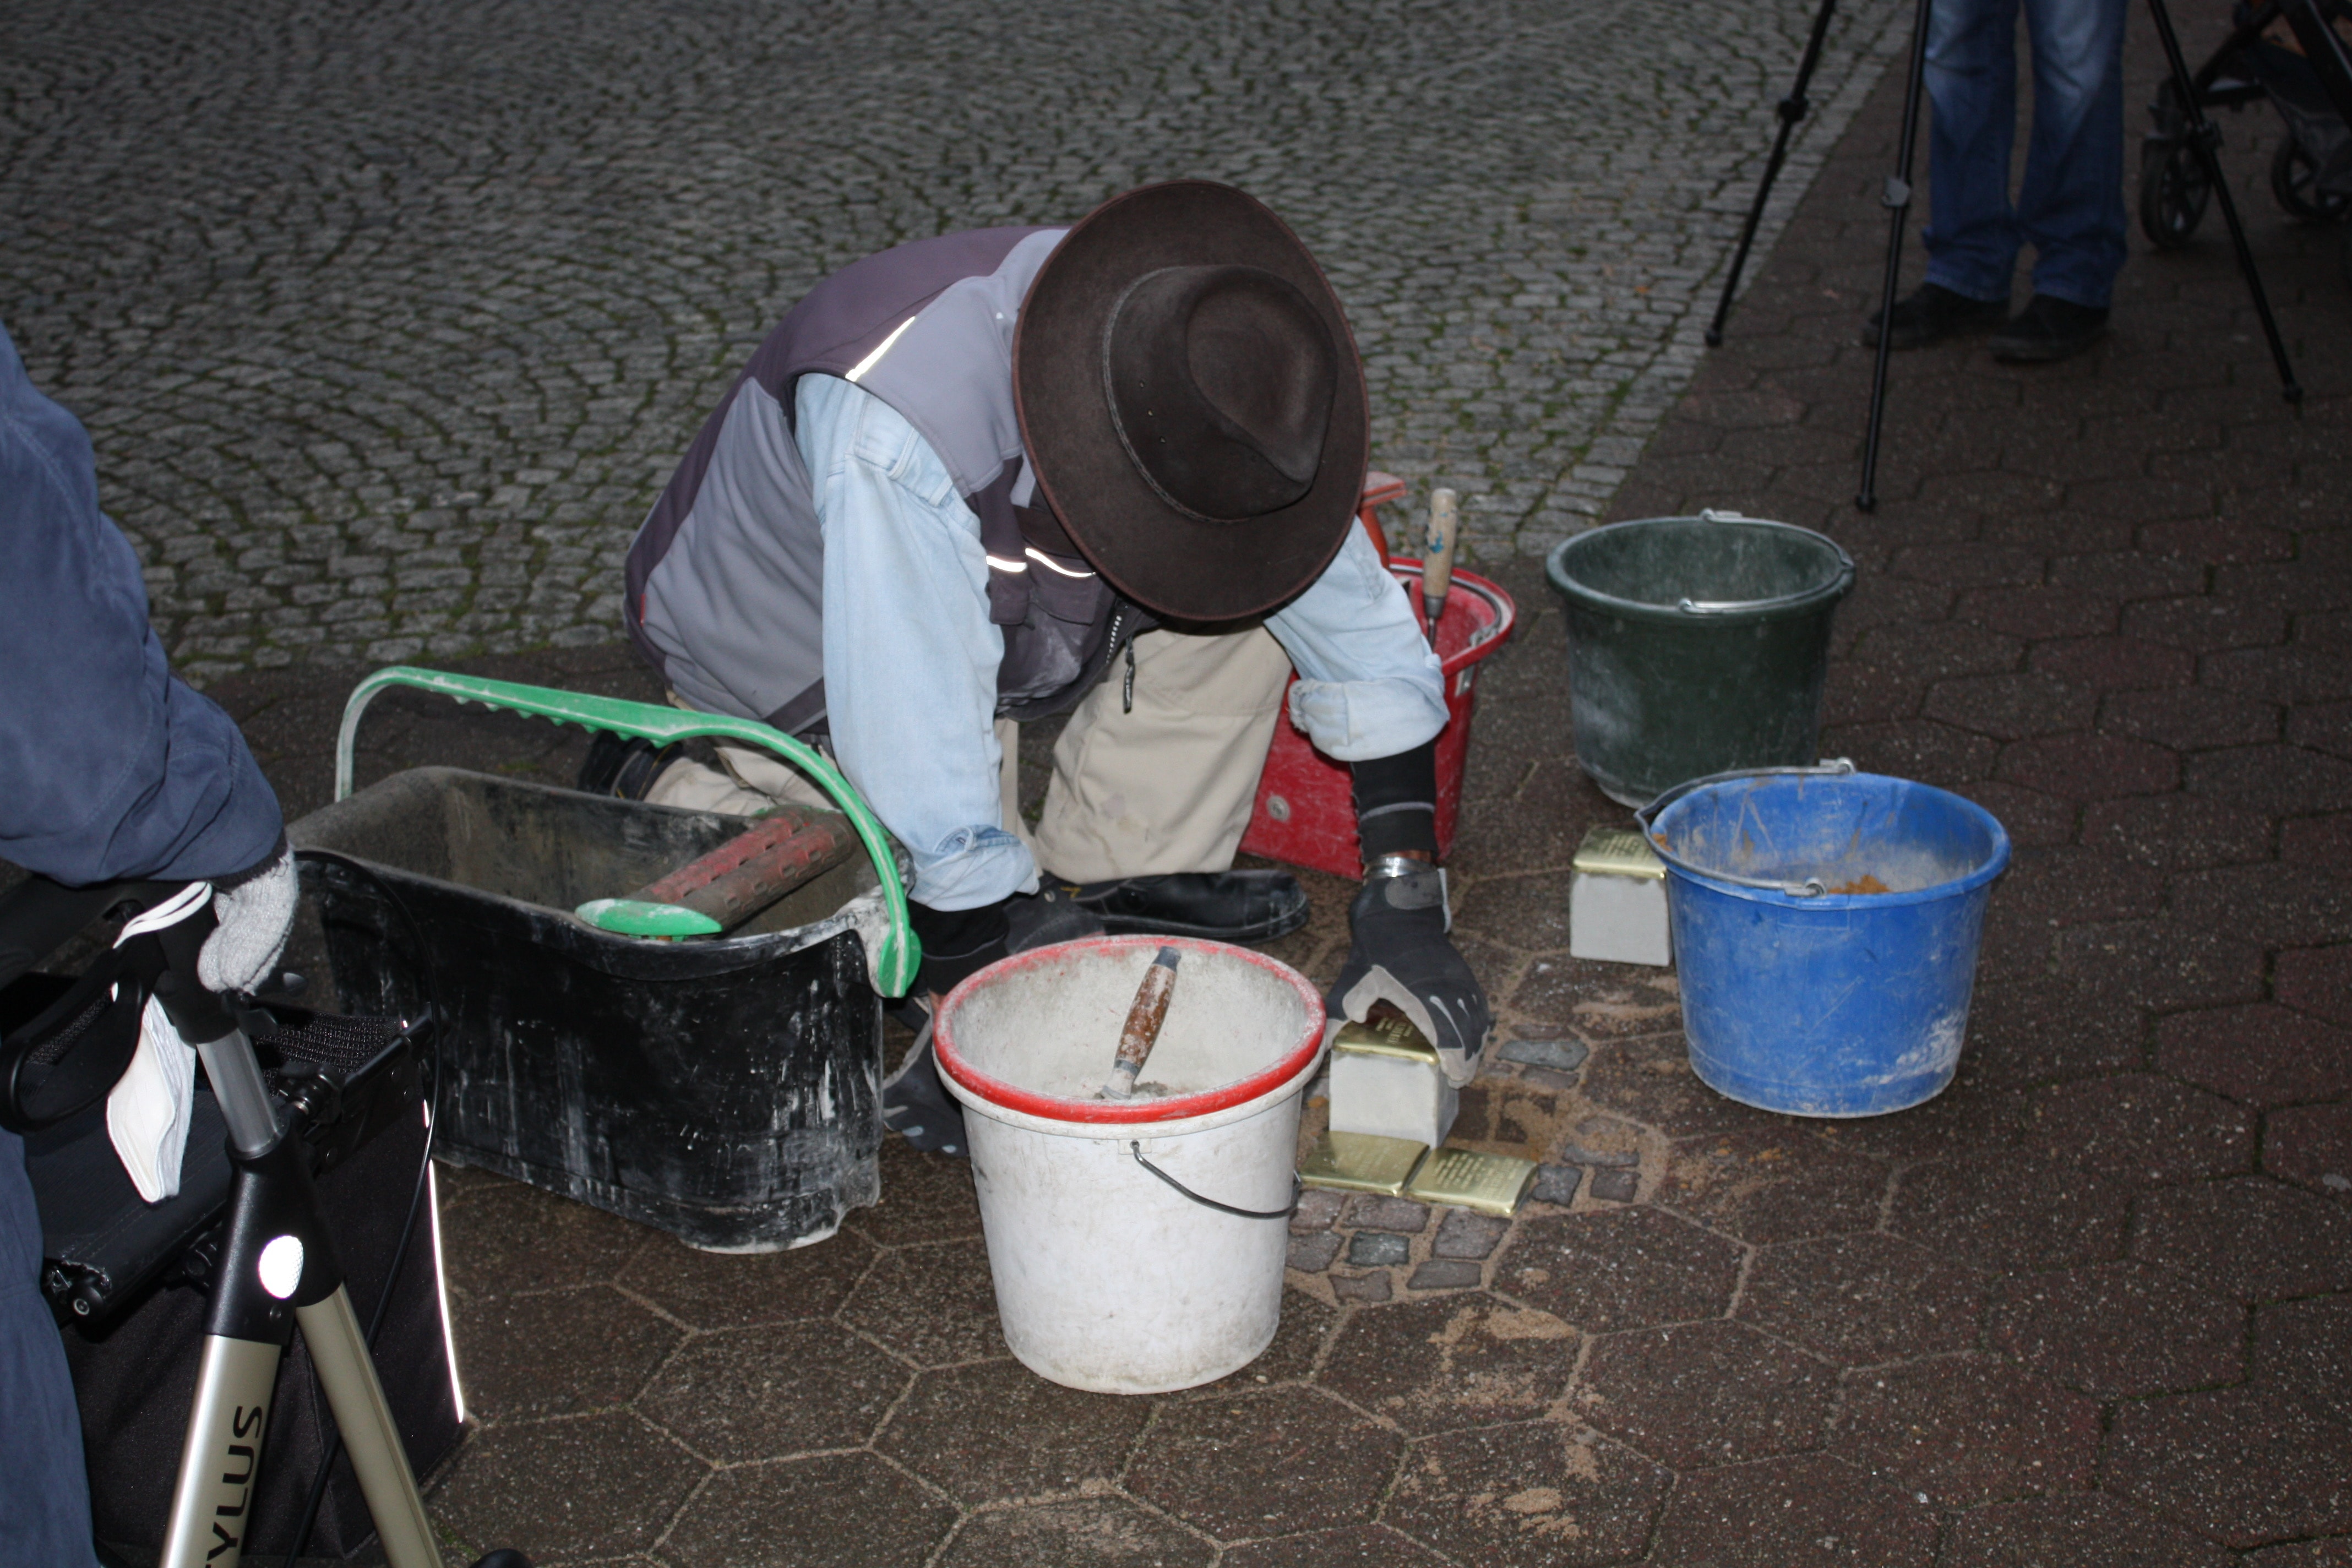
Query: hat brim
[[1165, 560]]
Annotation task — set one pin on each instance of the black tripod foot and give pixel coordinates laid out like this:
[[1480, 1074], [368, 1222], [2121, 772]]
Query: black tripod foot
[[504, 1557]]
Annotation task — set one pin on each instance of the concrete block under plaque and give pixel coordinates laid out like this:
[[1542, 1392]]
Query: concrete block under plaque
[[1361, 1162], [1466, 1179], [1386, 1081], [1617, 900]]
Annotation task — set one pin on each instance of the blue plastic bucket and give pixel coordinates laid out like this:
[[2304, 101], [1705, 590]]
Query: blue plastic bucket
[[1805, 990]]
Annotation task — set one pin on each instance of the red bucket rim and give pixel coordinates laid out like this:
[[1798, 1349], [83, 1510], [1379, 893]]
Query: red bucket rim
[[1407, 569], [1116, 1112]]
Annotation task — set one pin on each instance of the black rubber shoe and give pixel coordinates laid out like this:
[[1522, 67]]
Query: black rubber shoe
[[624, 770], [2049, 329], [917, 1107], [1933, 312], [1222, 906], [1047, 916]]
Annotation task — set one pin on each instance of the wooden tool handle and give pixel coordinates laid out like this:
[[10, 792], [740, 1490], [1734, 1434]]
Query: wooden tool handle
[[1144, 1018], [1437, 552]]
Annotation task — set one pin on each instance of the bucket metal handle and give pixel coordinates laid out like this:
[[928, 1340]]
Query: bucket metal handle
[[1297, 1190], [902, 952], [1732, 607], [1810, 887]]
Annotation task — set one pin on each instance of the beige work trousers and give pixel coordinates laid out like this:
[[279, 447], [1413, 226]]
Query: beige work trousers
[[1166, 787]]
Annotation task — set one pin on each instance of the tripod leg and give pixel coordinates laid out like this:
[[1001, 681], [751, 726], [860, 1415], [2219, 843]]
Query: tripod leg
[[211, 1503], [1792, 109], [2205, 138], [1898, 203], [339, 1350]]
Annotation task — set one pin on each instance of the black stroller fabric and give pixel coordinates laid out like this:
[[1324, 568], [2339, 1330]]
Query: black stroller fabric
[[134, 1379]]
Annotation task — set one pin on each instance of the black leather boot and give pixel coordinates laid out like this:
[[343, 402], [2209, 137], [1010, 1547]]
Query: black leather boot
[[623, 768], [1222, 906], [917, 1107]]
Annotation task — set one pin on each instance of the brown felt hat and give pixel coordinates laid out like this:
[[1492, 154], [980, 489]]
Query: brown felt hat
[[1192, 401]]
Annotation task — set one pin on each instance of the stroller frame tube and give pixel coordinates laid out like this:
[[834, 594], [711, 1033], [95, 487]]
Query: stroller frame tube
[[270, 1204], [339, 1350], [2204, 139], [220, 1457]]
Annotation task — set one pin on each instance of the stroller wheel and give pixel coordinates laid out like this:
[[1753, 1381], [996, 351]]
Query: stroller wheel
[[2173, 192], [2295, 181]]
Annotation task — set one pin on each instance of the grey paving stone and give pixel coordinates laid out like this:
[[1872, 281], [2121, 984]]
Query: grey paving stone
[[1440, 1274], [1562, 1055], [1378, 1250], [1317, 1207], [1617, 1186], [1557, 1184], [1313, 1254], [1461, 1233], [1369, 1211]]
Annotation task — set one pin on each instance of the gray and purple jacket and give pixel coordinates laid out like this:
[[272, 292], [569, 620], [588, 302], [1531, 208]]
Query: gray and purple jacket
[[725, 581]]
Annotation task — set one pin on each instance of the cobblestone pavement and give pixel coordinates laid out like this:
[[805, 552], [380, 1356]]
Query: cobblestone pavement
[[2091, 1306], [390, 320]]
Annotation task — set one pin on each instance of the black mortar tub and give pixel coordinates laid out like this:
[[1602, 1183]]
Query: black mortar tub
[[726, 1090]]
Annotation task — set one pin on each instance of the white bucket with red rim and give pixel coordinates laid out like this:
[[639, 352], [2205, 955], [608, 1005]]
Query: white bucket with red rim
[[1138, 1246]]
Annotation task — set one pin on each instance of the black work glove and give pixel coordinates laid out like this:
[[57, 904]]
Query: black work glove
[[1402, 955]]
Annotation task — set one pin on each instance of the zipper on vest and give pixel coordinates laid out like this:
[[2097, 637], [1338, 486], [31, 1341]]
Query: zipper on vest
[[1119, 625]]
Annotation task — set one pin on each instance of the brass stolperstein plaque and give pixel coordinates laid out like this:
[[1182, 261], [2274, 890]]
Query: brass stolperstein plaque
[[1361, 1162], [1617, 852], [1466, 1179], [1387, 1033]]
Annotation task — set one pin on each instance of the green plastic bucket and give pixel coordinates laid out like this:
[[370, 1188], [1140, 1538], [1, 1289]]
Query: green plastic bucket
[[1695, 645]]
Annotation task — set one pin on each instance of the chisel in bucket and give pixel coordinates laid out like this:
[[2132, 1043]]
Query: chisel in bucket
[[1144, 1018], [1437, 559]]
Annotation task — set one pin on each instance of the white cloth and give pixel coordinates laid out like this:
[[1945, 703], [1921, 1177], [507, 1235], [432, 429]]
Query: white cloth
[[147, 1112]]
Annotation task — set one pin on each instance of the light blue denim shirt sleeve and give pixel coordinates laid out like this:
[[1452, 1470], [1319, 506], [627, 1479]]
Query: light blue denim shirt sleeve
[[1369, 684], [910, 656]]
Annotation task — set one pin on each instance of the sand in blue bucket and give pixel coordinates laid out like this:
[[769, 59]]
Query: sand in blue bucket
[[1843, 988]]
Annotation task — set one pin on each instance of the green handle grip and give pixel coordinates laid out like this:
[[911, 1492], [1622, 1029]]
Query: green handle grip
[[894, 967]]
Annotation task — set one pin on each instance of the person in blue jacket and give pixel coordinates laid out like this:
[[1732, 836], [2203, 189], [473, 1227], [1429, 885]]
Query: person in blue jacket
[[109, 768]]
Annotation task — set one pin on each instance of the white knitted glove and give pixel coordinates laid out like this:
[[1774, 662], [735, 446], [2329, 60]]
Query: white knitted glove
[[256, 909]]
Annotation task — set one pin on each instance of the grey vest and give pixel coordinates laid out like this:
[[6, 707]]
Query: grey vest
[[725, 581]]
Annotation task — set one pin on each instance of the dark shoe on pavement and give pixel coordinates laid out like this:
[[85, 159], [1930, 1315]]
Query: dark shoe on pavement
[[623, 769], [2049, 329], [1933, 312], [917, 1107], [1047, 916], [1222, 906]]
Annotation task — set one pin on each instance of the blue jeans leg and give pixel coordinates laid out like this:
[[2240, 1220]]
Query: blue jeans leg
[[1972, 234], [44, 1485], [2071, 205]]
